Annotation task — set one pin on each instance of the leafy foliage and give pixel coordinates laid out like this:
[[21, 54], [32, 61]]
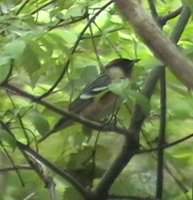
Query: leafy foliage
[[70, 42]]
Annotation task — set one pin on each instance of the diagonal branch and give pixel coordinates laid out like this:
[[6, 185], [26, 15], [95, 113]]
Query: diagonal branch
[[89, 123], [22, 6], [31, 155], [155, 39], [27, 150]]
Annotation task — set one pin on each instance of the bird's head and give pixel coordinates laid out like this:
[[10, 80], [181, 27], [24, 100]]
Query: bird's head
[[120, 68]]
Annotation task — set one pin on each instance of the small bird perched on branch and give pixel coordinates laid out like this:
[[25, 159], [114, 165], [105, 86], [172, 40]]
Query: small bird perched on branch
[[95, 101]]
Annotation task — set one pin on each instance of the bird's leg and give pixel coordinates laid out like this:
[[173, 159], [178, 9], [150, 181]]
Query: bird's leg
[[113, 119]]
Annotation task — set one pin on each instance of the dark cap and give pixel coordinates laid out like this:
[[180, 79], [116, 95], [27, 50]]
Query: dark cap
[[124, 64]]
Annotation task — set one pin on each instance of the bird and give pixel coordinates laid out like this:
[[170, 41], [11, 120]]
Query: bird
[[96, 101]]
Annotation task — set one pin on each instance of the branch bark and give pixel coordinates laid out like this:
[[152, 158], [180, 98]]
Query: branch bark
[[130, 148], [154, 38]]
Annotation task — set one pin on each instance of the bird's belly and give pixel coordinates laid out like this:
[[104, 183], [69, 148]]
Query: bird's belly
[[103, 107]]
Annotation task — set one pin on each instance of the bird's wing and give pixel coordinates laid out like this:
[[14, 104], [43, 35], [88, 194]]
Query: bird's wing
[[89, 93], [82, 101]]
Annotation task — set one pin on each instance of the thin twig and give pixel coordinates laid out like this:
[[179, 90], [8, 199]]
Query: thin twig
[[162, 135], [168, 169], [111, 44], [18, 167], [94, 45], [14, 166], [62, 23], [22, 7], [153, 8], [92, 19], [164, 19], [166, 146], [43, 6]]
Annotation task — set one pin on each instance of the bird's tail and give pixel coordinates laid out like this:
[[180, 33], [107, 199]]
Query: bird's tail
[[61, 124]]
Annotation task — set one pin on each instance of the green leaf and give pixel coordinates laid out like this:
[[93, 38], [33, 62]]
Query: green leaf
[[75, 11], [39, 121], [6, 137], [70, 193], [120, 87], [65, 4], [77, 159], [89, 73], [30, 60], [181, 110], [4, 68], [14, 48], [142, 101]]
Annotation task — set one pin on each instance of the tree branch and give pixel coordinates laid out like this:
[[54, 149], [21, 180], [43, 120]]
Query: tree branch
[[27, 150], [180, 26], [23, 4], [152, 8], [42, 6], [130, 147], [162, 133], [155, 39], [165, 146], [163, 19], [89, 123]]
